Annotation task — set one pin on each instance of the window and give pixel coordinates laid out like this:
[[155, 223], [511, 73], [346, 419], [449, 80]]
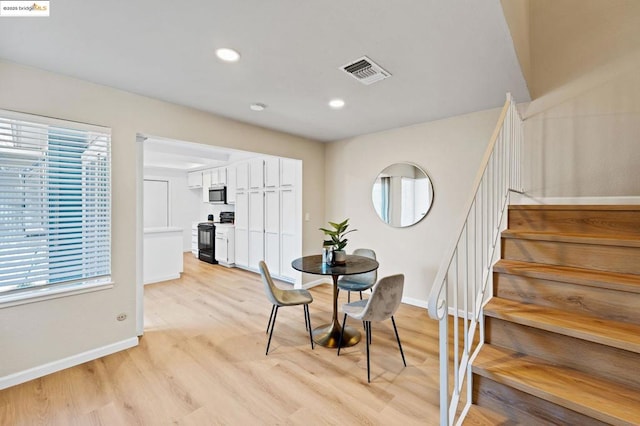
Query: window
[[55, 204]]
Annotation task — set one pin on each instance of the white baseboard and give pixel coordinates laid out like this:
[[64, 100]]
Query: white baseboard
[[415, 302], [461, 313], [317, 282], [52, 367], [163, 278], [526, 199]]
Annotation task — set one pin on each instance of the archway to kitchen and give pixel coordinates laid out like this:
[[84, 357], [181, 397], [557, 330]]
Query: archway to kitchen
[[257, 198]]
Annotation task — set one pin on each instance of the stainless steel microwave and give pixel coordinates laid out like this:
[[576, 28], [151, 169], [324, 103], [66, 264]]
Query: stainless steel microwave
[[218, 195]]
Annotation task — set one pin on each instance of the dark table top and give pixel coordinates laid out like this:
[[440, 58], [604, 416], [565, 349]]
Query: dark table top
[[314, 265]]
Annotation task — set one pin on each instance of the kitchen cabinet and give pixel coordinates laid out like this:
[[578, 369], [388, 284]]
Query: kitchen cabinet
[[206, 184], [289, 239], [231, 185], [272, 230], [194, 238], [256, 173], [271, 172], [242, 229], [219, 176], [268, 210], [242, 176], [225, 244], [194, 179], [256, 228], [288, 171]]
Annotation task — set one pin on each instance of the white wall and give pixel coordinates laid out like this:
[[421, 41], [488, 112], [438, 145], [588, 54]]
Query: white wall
[[184, 203], [43, 334], [449, 151], [587, 145]]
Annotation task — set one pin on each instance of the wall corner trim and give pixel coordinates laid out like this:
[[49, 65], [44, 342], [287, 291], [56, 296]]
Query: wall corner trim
[[71, 361]]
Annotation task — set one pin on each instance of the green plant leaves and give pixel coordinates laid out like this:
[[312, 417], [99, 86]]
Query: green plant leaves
[[337, 234]]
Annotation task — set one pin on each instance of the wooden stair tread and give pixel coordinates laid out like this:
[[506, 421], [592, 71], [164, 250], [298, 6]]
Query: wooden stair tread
[[482, 416], [596, 207], [622, 240], [588, 277], [562, 386], [617, 334]]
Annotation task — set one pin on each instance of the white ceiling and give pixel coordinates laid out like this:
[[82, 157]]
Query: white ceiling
[[180, 155], [447, 57]]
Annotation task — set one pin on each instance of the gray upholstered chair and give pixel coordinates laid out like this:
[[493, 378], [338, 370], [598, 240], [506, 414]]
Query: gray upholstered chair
[[281, 297], [359, 282], [383, 303]]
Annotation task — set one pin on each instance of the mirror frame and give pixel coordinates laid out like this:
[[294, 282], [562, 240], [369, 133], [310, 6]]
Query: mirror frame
[[431, 193]]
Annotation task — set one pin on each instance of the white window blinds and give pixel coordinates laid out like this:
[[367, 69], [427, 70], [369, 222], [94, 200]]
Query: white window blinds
[[55, 202]]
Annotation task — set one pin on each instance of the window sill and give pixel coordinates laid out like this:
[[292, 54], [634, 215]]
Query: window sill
[[54, 292]]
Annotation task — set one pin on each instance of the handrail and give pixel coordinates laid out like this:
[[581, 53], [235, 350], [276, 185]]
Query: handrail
[[465, 270]]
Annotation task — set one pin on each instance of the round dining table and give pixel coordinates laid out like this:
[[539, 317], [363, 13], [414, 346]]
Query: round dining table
[[328, 335]]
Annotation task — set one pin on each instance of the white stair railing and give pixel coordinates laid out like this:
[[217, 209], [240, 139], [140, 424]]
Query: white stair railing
[[463, 283]]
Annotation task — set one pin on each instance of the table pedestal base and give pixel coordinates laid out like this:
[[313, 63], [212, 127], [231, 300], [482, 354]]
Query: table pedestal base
[[328, 335]]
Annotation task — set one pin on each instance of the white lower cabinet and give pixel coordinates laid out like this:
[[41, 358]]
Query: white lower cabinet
[[242, 229], [272, 230], [256, 228], [289, 240], [225, 245], [194, 238]]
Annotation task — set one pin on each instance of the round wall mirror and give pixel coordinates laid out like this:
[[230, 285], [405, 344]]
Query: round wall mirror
[[402, 194]]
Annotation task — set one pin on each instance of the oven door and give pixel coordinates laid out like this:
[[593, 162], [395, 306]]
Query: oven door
[[205, 237]]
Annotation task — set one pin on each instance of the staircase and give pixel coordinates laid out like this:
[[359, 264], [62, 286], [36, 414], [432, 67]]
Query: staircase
[[562, 331]]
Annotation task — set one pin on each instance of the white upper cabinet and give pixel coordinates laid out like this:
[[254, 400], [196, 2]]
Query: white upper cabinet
[[242, 176], [219, 176], [194, 179], [256, 173], [271, 172], [288, 171], [231, 184], [206, 184]]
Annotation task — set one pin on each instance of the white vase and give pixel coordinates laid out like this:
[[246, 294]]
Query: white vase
[[339, 257]]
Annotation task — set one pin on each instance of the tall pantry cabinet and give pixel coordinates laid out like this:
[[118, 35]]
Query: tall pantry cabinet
[[268, 214]]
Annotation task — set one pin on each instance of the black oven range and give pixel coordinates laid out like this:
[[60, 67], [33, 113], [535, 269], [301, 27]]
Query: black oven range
[[207, 242]]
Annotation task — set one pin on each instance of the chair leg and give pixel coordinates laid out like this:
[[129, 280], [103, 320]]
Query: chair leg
[[306, 323], [367, 330], [398, 338], [361, 295], [273, 325], [308, 320], [349, 297], [273, 308], [344, 321]]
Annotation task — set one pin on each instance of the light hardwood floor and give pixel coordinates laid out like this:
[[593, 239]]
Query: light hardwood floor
[[201, 361]]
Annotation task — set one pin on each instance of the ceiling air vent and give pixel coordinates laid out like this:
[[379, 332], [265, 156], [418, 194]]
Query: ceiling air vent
[[365, 71]]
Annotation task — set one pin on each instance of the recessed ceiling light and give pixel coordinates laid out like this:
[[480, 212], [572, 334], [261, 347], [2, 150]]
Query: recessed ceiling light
[[257, 106], [336, 103], [227, 55]]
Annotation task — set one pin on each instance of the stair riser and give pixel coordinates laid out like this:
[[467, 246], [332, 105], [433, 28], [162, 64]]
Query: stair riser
[[522, 407], [593, 358], [598, 222], [601, 302], [589, 256]]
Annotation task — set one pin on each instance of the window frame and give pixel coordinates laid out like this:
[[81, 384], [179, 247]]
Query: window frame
[[66, 287]]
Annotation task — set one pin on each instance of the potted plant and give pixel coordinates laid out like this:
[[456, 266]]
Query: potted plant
[[337, 240]]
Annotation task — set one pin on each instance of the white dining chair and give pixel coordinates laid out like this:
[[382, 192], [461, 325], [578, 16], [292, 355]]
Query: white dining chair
[[281, 297], [383, 304]]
